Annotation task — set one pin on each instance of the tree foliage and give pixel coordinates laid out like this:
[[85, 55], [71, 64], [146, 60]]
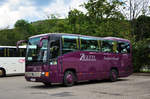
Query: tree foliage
[[141, 54], [103, 9]]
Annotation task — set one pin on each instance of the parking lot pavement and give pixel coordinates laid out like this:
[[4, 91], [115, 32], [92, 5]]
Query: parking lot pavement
[[136, 86]]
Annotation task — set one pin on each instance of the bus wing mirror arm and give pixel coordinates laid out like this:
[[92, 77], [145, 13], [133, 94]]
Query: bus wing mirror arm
[[41, 39], [52, 41], [20, 42]]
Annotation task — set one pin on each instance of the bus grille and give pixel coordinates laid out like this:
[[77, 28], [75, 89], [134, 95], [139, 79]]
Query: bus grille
[[33, 74]]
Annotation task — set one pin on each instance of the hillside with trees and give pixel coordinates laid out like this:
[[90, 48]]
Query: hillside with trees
[[102, 19]]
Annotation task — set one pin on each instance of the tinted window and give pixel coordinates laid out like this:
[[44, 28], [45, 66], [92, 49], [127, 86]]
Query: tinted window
[[123, 47], [107, 46], [55, 49], [89, 44], [69, 44], [11, 52], [22, 52], [2, 52], [8, 52]]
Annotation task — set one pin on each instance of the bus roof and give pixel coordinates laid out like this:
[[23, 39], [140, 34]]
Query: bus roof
[[61, 34], [7, 46], [116, 39]]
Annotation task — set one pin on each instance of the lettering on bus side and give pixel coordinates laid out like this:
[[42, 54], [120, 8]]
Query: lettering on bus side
[[84, 57], [111, 58]]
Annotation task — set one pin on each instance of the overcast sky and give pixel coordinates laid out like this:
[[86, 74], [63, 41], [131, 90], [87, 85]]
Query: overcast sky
[[33, 10]]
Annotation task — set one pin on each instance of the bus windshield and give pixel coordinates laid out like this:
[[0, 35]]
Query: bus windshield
[[34, 53]]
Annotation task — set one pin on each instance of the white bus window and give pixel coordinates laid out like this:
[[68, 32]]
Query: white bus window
[[11, 52], [22, 52], [2, 52]]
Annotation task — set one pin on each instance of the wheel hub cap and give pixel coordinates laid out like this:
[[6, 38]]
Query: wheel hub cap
[[69, 78], [114, 75]]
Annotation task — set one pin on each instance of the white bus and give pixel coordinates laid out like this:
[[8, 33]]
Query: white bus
[[12, 61]]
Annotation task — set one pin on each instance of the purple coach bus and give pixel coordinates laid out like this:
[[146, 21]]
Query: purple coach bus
[[69, 58]]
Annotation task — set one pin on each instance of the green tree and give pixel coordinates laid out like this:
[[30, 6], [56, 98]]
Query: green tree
[[103, 16], [25, 28], [141, 54], [102, 9], [76, 20], [142, 29]]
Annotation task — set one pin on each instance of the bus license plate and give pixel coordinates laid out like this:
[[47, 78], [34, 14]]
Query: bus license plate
[[33, 79]]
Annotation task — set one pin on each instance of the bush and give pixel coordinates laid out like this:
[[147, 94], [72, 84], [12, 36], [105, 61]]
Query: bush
[[141, 54]]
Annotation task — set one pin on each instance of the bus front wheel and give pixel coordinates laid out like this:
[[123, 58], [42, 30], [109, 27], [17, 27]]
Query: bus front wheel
[[2, 72], [69, 78], [113, 75]]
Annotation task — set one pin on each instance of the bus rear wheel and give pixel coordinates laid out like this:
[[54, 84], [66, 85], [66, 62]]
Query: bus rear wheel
[[113, 75], [2, 72], [69, 78]]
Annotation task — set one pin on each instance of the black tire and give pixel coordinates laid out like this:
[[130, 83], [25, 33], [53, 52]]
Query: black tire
[[113, 75], [69, 78], [47, 84], [2, 73]]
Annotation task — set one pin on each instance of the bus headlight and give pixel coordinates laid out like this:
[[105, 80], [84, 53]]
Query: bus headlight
[[53, 63], [46, 74], [43, 73]]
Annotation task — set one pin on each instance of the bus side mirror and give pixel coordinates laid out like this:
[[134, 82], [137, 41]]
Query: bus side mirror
[[20, 42], [41, 43]]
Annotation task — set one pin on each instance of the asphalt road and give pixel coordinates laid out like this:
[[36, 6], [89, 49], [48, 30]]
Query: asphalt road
[[136, 86]]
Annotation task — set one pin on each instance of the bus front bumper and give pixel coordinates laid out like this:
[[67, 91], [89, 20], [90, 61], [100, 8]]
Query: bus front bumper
[[36, 76], [47, 77]]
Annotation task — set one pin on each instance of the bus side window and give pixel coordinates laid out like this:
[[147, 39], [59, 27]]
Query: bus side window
[[123, 47], [107, 46], [21, 52], [69, 44], [11, 52], [55, 49], [89, 44], [2, 52]]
